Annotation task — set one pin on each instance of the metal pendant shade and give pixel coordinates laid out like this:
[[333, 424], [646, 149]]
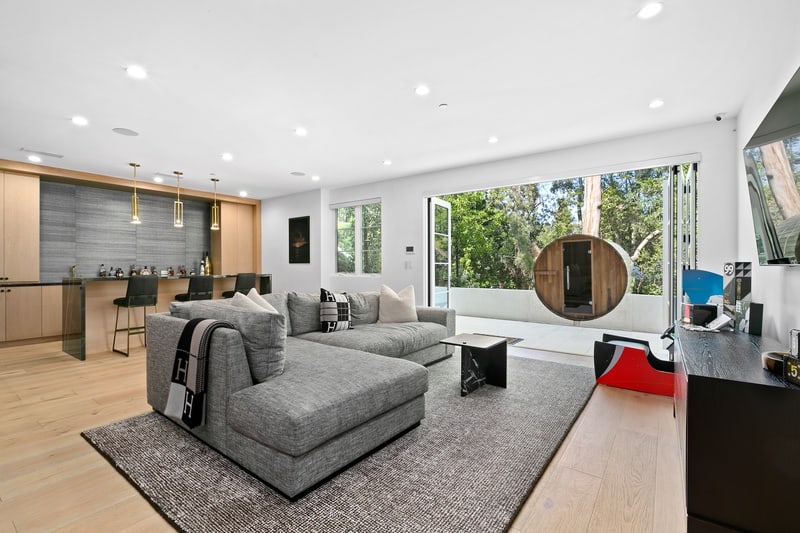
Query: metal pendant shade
[[135, 198], [177, 205], [215, 208]]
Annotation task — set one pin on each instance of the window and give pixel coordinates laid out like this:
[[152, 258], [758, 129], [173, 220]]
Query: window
[[358, 238]]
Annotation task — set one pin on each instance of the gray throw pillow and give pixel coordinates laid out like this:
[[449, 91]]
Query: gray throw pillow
[[363, 307], [263, 334], [183, 309], [280, 301], [303, 312]]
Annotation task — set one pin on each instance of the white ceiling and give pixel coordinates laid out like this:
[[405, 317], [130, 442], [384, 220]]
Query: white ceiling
[[239, 76]]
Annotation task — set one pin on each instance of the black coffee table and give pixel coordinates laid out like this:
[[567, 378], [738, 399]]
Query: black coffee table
[[483, 360]]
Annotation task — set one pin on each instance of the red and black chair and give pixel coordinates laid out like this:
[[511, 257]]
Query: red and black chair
[[630, 364]]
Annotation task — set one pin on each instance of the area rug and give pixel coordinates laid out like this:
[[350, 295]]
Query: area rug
[[468, 466]]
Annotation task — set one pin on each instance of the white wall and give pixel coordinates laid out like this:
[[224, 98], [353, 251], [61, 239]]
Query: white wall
[[777, 287], [275, 215], [404, 212], [636, 312]]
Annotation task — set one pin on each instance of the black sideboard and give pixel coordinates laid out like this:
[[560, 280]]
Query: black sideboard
[[739, 434]]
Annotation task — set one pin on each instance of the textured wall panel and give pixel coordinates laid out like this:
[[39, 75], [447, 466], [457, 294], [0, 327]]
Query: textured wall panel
[[56, 230], [87, 226]]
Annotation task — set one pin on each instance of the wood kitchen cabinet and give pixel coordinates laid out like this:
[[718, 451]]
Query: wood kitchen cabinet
[[30, 312], [23, 312], [52, 310], [19, 225]]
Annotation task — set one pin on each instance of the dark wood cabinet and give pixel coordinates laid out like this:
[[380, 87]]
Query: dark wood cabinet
[[739, 434]]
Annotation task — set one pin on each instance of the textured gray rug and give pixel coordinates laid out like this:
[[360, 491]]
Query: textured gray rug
[[469, 466]]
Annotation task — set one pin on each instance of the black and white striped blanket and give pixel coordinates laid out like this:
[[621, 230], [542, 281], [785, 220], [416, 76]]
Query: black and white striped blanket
[[187, 392]]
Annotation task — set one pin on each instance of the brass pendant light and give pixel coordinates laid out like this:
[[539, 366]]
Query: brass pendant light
[[135, 198], [177, 205], [215, 208]]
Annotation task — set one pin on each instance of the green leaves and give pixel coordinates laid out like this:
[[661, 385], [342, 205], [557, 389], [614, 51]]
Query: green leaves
[[498, 233]]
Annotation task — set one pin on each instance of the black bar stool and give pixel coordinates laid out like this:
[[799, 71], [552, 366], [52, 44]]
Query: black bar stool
[[142, 291], [200, 288], [244, 282]]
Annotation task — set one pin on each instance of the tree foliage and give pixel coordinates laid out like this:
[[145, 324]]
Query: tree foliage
[[497, 234]]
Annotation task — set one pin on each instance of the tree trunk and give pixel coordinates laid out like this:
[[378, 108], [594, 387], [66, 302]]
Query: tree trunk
[[592, 198], [642, 244], [781, 179]]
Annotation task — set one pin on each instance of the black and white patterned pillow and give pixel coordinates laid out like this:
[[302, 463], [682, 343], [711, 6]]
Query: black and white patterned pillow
[[334, 312]]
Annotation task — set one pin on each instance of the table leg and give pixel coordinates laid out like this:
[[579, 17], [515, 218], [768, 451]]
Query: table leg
[[480, 366], [472, 375]]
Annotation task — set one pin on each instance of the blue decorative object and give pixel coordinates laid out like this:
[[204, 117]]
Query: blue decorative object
[[700, 285]]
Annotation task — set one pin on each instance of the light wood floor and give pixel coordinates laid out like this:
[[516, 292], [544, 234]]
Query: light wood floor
[[616, 471]]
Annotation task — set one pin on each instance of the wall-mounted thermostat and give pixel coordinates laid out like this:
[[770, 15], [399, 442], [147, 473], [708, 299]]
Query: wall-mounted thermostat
[[409, 250]]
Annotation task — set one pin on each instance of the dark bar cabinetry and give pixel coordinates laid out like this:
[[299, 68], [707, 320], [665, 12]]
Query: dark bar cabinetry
[[739, 431]]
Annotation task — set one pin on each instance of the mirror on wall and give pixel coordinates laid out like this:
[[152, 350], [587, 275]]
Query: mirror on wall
[[772, 167]]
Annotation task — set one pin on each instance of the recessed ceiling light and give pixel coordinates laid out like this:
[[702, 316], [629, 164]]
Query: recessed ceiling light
[[158, 179], [34, 158], [314, 178], [422, 90], [442, 106], [387, 162], [227, 156], [80, 121], [242, 193], [125, 131], [300, 131], [40, 153], [493, 140], [297, 173], [655, 103], [136, 71], [650, 10]]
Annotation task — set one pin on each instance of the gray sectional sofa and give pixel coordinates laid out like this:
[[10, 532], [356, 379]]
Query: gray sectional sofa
[[294, 405]]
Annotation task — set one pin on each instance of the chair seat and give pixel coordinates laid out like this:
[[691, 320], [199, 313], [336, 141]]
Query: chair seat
[[135, 301]]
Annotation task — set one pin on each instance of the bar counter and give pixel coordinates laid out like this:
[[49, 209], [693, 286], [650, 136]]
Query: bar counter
[[89, 312]]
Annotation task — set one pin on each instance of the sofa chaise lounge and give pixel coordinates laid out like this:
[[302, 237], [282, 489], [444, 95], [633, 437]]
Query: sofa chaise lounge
[[331, 404]]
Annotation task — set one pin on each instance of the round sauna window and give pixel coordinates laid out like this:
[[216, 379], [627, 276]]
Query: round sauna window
[[581, 277]]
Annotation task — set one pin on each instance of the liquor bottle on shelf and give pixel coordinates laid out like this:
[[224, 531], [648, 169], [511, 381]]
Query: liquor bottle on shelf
[[208, 265], [102, 270]]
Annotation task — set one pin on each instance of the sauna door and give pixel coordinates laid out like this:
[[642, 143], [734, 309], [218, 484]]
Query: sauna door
[[578, 278]]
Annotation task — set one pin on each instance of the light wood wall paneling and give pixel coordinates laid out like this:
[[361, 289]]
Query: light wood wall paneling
[[21, 227], [2, 315], [110, 182], [101, 311], [2, 223]]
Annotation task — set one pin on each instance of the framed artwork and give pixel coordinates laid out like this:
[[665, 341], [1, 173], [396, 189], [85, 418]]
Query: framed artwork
[[299, 246]]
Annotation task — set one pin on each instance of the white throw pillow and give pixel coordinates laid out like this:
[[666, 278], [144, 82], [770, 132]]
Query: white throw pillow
[[255, 297], [397, 307], [240, 300]]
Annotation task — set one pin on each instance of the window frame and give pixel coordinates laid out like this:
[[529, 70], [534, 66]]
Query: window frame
[[358, 238]]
